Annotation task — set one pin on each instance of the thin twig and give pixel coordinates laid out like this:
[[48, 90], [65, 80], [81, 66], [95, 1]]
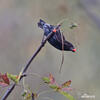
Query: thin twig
[[9, 90]]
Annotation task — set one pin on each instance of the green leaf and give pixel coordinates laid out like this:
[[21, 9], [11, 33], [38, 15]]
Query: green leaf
[[53, 86], [46, 80], [13, 77], [67, 95], [24, 93]]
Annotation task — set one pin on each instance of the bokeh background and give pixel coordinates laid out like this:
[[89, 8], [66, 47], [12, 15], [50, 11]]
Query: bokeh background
[[20, 37]]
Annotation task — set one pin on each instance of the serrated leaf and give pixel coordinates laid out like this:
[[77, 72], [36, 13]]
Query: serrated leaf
[[53, 86], [46, 80], [13, 77], [66, 84], [4, 80], [52, 79], [67, 95]]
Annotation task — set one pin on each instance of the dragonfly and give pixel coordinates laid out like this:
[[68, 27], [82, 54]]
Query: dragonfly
[[57, 40]]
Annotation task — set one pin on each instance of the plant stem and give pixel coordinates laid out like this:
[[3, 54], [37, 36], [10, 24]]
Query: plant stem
[[9, 90]]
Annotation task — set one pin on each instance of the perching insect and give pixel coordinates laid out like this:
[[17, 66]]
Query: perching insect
[[57, 40]]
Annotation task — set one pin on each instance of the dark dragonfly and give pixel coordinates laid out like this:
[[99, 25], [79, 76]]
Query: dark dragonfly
[[56, 39]]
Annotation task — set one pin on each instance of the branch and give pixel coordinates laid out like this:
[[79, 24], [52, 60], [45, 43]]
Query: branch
[[9, 90]]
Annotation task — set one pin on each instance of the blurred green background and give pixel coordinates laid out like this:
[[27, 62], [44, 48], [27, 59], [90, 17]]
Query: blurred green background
[[20, 37]]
